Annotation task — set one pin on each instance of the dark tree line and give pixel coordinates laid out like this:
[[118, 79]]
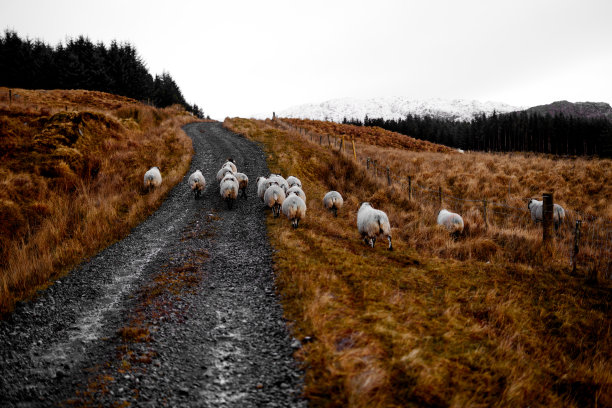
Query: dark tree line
[[516, 131], [81, 64]]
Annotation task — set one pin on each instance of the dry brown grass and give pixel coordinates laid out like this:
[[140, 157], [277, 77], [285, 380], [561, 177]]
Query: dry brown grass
[[71, 181], [406, 328]]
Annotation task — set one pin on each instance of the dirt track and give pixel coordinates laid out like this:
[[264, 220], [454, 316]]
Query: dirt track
[[182, 312]]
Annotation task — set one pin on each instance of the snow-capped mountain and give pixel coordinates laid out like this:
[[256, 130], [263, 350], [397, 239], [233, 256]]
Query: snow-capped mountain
[[393, 108]]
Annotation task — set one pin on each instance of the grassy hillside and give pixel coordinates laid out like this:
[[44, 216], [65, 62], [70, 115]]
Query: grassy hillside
[[429, 323], [71, 171]]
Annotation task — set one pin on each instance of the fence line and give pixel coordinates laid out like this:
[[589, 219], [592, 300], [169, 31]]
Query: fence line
[[590, 248]]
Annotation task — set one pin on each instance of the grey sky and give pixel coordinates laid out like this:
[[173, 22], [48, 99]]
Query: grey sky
[[237, 58]]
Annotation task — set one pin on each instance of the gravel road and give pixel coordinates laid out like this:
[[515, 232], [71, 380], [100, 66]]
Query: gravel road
[[182, 312]]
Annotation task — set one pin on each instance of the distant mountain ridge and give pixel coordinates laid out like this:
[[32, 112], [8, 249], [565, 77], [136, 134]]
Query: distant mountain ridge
[[395, 108], [576, 109], [336, 110]]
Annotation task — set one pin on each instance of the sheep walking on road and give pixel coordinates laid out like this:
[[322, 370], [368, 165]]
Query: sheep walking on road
[[197, 183], [229, 189], [294, 208], [243, 183], [537, 210], [372, 223], [152, 178], [262, 186], [231, 164], [274, 198], [333, 201], [451, 221], [223, 172]]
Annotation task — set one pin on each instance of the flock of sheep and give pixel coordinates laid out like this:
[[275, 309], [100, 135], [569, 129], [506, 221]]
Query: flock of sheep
[[287, 195]]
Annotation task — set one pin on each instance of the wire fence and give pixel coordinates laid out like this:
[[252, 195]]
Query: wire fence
[[582, 241]]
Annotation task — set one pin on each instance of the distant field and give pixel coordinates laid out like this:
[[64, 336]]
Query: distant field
[[71, 170], [489, 319]]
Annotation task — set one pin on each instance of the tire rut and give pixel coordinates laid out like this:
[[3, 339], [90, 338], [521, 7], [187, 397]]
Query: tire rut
[[182, 312]]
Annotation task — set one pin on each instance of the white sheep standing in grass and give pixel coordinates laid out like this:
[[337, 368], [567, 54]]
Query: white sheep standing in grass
[[333, 201], [453, 222], [274, 198], [294, 181], [262, 186], [294, 208], [152, 178], [298, 192], [243, 183], [280, 180], [197, 183], [229, 189], [371, 223], [536, 208], [231, 164], [223, 172]]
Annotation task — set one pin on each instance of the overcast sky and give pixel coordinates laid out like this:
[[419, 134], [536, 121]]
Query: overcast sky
[[238, 58]]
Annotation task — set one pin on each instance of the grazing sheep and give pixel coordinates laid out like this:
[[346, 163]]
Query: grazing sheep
[[294, 181], [243, 183], [536, 208], [280, 181], [262, 186], [298, 191], [294, 208], [333, 201], [231, 163], [152, 178], [452, 221], [229, 189], [274, 198], [223, 172], [371, 223], [197, 183]]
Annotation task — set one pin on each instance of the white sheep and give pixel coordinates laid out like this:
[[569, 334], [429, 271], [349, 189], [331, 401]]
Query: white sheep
[[333, 201], [536, 208], [231, 164], [298, 191], [262, 186], [243, 183], [223, 172], [294, 208], [197, 183], [229, 189], [152, 178], [371, 223], [274, 197], [280, 180], [451, 221], [294, 181]]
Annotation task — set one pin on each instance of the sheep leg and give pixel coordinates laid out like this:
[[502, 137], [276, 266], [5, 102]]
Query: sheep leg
[[390, 246], [335, 210], [372, 242]]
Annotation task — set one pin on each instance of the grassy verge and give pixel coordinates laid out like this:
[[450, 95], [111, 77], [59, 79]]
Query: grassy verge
[[406, 328], [71, 179]]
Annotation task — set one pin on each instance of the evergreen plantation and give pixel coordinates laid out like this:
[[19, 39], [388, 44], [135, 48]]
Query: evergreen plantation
[[81, 64]]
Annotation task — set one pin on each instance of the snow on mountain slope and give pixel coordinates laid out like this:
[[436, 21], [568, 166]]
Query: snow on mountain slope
[[394, 107]]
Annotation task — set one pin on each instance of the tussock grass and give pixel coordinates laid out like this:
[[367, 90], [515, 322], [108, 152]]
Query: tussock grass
[[71, 180], [409, 328]]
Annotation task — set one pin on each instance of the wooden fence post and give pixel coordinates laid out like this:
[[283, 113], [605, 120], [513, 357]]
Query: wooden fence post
[[354, 151], [273, 115], [547, 217], [320, 138], [440, 196], [328, 141], [576, 244], [484, 213], [10, 96], [388, 176], [410, 187], [368, 163]]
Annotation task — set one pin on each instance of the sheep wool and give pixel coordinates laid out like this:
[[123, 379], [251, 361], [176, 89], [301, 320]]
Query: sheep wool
[[230, 163], [294, 208], [152, 178], [243, 183], [274, 198], [229, 189], [197, 183], [262, 186], [371, 223], [280, 180], [536, 208], [221, 173], [333, 201], [294, 181], [298, 192], [451, 221]]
